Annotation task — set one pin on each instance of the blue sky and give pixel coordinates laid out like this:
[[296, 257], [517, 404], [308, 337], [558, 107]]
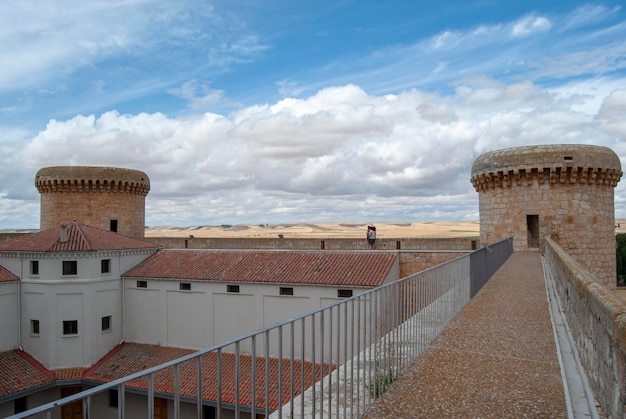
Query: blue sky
[[280, 111]]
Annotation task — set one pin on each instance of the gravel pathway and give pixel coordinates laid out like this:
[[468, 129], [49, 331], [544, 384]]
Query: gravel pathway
[[496, 359]]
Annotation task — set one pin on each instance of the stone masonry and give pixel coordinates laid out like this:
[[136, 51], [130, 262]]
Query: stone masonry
[[103, 197], [564, 191]]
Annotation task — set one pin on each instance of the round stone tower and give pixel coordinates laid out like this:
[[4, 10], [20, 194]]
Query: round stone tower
[[565, 192], [104, 197]]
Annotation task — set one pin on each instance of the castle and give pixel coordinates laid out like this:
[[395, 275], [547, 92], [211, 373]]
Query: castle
[[564, 191], [87, 294]]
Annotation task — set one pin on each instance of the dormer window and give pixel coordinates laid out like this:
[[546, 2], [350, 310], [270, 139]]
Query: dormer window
[[70, 267]]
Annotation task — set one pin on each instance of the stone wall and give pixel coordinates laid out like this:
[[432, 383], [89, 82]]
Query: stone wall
[[413, 261], [94, 196], [597, 321], [288, 243], [565, 192]]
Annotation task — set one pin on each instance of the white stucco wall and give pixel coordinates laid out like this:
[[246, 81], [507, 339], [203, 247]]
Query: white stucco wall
[[207, 315], [8, 316], [51, 298]]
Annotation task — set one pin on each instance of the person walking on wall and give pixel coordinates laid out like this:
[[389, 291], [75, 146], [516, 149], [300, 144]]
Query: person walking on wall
[[371, 236]]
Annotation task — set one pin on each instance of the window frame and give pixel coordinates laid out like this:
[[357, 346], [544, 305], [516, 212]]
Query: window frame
[[234, 289], [34, 268], [344, 293], [142, 284], [70, 327], [70, 267], [34, 327], [105, 266], [106, 323], [287, 291]]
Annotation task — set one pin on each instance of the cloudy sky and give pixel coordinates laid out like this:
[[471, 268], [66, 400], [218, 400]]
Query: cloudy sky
[[282, 111]]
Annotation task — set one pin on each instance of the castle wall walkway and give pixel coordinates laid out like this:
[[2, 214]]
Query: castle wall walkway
[[496, 359]]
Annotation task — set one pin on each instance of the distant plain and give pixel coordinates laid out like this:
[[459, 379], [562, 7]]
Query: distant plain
[[313, 230]]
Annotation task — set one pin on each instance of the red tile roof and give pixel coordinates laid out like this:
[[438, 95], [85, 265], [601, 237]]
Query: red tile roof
[[133, 357], [19, 372], [6, 275], [79, 238], [360, 269]]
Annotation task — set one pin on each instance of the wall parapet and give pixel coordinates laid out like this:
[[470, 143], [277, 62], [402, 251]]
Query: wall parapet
[[91, 179], [555, 174], [597, 320], [556, 164]]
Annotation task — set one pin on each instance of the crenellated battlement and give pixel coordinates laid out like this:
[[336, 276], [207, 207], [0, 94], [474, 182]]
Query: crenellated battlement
[[89, 185], [525, 176], [91, 179]]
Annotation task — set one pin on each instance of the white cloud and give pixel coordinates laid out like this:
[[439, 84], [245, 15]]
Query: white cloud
[[340, 154], [198, 95], [610, 117], [290, 87], [530, 25]]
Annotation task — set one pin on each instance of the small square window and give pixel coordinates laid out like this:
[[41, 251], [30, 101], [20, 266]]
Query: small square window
[[70, 267], [34, 327], [142, 284], [106, 323], [70, 327], [286, 291], [232, 288], [185, 286], [105, 266], [344, 293], [34, 267]]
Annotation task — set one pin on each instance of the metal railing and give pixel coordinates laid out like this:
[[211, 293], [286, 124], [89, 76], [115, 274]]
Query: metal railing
[[333, 362]]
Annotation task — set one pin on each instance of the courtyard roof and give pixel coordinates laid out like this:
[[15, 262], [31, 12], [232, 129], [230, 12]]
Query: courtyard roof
[[358, 269], [22, 373], [7, 276]]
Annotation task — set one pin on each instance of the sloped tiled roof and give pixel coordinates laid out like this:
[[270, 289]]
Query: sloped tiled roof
[[364, 269], [6, 275], [79, 238], [133, 357], [21, 372]]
